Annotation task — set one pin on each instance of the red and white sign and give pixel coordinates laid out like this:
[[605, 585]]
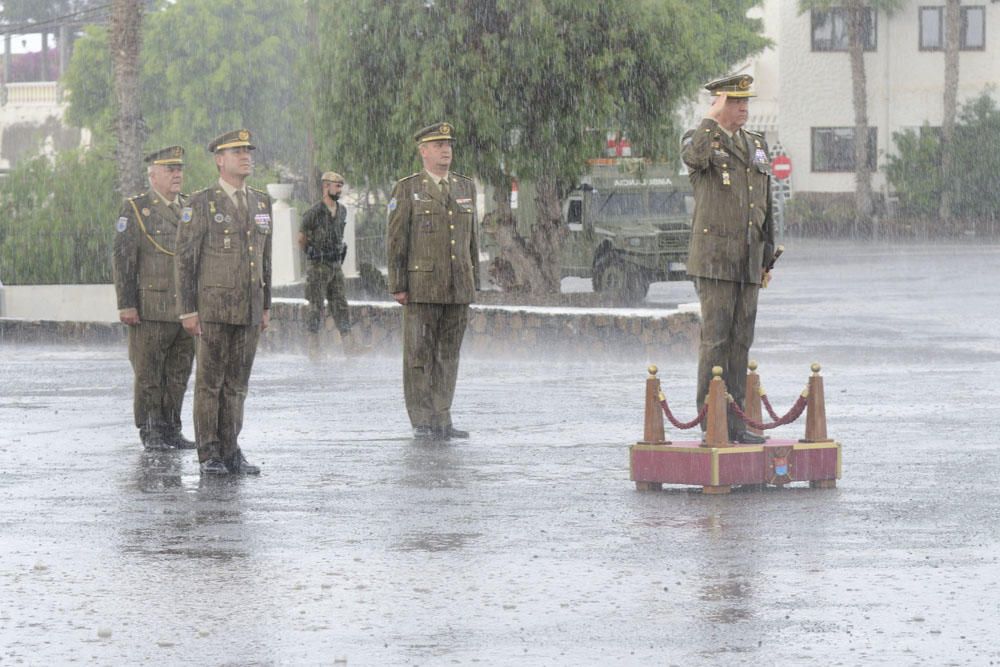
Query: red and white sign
[[781, 167]]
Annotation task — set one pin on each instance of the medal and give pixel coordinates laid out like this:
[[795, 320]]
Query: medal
[[227, 243], [218, 217], [725, 178]]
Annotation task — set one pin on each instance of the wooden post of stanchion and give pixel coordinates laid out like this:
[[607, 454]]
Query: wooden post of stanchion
[[751, 399], [815, 409], [652, 432], [717, 426]]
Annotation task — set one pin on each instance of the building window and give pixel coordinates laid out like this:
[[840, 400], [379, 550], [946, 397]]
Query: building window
[[829, 29], [931, 28], [972, 29], [833, 148]]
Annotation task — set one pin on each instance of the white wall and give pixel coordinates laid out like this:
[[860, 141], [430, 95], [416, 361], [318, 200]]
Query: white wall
[[905, 85], [78, 303]]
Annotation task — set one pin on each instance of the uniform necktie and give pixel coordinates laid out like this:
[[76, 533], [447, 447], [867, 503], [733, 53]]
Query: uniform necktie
[[241, 205], [445, 190], [175, 207]]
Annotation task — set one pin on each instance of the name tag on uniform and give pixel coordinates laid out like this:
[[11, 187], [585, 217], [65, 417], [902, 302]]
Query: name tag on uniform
[[263, 221]]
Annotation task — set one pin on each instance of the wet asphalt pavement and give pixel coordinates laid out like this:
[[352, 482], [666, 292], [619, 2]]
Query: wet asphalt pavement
[[528, 544]]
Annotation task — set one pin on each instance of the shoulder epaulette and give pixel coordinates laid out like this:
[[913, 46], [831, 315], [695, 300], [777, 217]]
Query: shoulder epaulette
[[137, 197], [262, 192], [461, 176], [406, 178], [756, 134]]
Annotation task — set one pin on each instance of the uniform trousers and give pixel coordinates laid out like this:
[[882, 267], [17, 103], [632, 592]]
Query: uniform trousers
[[432, 340], [225, 359], [728, 314], [161, 354], [326, 281]]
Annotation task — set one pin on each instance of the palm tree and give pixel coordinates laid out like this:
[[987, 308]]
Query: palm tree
[[952, 17], [125, 41], [855, 14]]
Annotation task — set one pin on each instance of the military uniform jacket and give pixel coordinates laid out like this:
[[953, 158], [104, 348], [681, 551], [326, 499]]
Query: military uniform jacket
[[223, 264], [433, 252], [144, 256], [324, 232], [732, 236]]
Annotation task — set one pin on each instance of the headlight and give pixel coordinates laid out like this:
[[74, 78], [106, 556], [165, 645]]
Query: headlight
[[635, 242]]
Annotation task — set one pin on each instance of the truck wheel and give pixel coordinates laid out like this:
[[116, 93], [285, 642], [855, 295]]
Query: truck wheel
[[613, 274], [373, 282]]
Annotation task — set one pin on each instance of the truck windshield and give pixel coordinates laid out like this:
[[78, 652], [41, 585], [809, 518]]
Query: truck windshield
[[640, 204]]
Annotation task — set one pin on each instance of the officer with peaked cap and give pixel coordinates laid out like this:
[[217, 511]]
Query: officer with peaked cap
[[223, 267], [433, 261], [732, 236], [160, 351]]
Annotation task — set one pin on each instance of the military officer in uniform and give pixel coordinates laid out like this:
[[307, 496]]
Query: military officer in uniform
[[732, 238], [434, 273], [321, 236], [160, 351], [223, 267]]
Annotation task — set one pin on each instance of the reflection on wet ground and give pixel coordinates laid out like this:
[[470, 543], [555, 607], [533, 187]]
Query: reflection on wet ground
[[526, 543]]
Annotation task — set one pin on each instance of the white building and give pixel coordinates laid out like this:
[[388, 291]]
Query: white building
[[804, 82]]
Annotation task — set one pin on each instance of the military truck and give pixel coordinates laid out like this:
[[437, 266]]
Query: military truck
[[628, 225]]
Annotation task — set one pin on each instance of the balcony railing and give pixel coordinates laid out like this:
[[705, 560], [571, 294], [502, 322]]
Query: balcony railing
[[34, 93]]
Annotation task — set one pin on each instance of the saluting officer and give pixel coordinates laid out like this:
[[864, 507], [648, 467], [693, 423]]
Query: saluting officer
[[732, 237], [434, 273], [223, 269], [160, 351]]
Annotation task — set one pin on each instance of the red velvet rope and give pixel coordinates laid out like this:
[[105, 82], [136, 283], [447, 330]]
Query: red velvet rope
[[791, 416], [683, 425]]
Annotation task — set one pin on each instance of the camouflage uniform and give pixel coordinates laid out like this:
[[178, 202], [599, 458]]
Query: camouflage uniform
[[160, 351], [223, 268], [433, 256], [732, 241], [325, 250]]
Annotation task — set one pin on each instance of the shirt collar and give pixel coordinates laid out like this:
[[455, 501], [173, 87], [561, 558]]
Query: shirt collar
[[230, 190], [436, 180]]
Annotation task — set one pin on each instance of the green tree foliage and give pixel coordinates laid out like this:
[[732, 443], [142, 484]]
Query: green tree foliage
[[914, 169], [531, 85], [57, 220], [208, 66]]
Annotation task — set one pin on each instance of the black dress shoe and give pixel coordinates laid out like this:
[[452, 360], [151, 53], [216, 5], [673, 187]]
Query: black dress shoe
[[240, 466], [423, 433], [177, 440], [449, 432], [750, 439], [214, 467]]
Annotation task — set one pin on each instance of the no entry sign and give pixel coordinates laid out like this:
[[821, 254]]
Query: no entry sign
[[781, 166]]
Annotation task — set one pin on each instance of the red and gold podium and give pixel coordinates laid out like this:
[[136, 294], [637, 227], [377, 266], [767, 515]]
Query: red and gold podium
[[717, 465]]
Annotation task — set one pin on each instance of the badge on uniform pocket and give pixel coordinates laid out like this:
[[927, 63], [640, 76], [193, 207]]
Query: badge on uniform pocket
[[122, 224], [186, 214]]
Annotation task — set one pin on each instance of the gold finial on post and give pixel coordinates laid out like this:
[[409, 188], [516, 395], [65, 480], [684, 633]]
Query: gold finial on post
[[652, 431], [751, 400], [717, 425], [815, 408]]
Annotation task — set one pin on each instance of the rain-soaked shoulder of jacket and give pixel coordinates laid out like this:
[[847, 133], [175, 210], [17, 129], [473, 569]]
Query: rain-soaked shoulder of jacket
[[260, 192], [405, 179]]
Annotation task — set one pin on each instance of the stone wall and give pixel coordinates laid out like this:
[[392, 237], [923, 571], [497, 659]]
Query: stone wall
[[493, 330]]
